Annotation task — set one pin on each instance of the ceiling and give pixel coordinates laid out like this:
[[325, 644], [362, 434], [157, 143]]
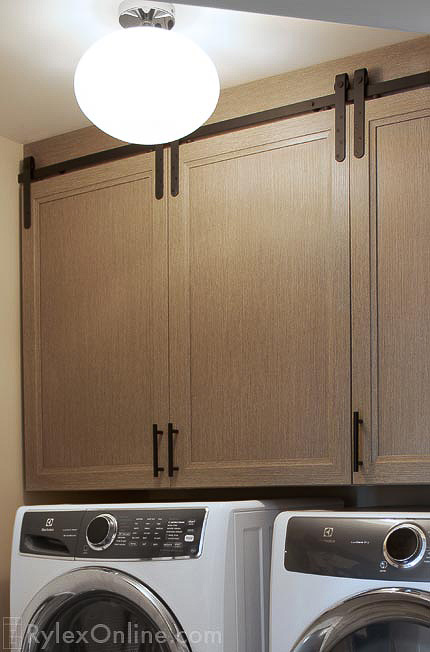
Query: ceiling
[[41, 42], [413, 15]]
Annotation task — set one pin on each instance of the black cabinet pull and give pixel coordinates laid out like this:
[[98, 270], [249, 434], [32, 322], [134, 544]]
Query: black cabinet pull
[[155, 433], [357, 422], [170, 432]]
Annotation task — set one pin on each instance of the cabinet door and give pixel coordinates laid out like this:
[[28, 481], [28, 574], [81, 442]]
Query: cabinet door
[[391, 288], [95, 328], [260, 308]]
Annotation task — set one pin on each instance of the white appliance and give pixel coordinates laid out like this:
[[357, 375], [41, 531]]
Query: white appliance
[[172, 577], [351, 582]]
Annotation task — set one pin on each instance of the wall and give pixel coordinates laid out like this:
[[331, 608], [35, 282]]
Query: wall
[[11, 490]]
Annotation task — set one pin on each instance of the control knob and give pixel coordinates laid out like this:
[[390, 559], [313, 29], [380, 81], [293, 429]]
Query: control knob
[[101, 531], [405, 545]]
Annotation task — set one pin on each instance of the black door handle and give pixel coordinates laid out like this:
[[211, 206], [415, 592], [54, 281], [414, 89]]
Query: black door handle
[[170, 432], [357, 422], [155, 433]]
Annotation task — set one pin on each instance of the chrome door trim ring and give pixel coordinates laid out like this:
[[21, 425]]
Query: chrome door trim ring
[[413, 559], [84, 581], [364, 609]]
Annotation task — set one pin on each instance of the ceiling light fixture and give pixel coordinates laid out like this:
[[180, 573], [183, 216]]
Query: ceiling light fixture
[[146, 84]]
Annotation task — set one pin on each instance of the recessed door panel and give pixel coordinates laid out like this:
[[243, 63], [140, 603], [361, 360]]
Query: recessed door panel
[[391, 285], [95, 310], [259, 307]]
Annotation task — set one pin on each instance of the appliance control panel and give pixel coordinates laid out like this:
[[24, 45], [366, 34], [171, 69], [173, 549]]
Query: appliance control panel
[[140, 534], [362, 548]]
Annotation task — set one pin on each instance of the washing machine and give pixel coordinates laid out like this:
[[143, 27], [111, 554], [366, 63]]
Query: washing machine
[[351, 582], [143, 578]]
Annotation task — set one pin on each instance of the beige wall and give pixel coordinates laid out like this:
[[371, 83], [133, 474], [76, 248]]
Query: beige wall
[[11, 492]]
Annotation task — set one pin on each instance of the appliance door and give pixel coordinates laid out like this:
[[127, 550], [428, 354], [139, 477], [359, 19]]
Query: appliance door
[[97, 609], [384, 620]]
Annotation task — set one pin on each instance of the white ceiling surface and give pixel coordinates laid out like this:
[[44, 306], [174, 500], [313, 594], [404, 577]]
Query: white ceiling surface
[[413, 15], [41, 42]]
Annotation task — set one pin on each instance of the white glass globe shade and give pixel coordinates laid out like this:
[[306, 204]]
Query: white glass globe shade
[[146, 85]]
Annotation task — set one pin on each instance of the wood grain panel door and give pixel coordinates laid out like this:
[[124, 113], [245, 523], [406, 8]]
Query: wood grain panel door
[[260, 308], [95, 328], [390, 216]]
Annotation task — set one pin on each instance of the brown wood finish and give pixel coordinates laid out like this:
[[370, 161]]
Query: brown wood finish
[[400, 410], [391, 287], [95, 328], [260, 308]]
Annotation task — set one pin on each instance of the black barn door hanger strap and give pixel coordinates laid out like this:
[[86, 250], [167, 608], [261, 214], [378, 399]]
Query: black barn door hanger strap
[[361, 91], [174, 171], [341, 86], [159, 171], [361, 78], [28, 167]]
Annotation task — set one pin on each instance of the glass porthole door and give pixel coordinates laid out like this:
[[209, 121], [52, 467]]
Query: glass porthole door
[[100, 610], [386, 620], [394, 636]]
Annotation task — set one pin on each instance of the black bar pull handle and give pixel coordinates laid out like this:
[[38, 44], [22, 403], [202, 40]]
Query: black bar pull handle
[[170, 432], [357, 422], [155, 434]]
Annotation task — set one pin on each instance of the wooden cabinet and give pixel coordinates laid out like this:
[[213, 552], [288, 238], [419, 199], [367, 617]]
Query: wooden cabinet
[[95, 328], [225, 311], [390, 217], [243, 312], [260, 308]]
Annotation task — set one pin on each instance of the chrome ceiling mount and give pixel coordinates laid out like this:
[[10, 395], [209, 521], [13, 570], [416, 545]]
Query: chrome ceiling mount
[[139, 13]]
